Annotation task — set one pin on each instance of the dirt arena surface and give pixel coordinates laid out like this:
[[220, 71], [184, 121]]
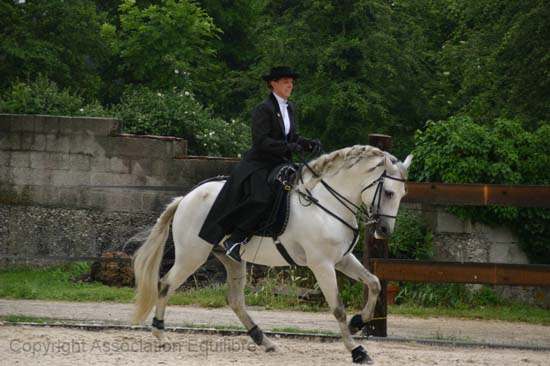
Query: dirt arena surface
[[23, 345], [452, 329]]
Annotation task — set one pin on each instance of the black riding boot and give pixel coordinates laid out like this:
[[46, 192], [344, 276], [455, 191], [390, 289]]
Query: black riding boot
[[233, 245]]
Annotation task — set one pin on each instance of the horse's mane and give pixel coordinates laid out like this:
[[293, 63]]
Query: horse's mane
[[331, 163]]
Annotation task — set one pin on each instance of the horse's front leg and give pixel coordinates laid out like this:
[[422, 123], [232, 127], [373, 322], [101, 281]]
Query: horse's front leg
[[351, 267], [326, 277]]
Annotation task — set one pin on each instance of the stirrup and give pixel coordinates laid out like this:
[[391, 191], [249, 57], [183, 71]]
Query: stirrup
[[233, 251]]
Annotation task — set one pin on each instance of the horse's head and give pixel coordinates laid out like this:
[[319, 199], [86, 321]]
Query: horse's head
[[383, 193]]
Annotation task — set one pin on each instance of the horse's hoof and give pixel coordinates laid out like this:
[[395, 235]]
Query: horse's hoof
[[161, 338], [356, 324], [360, 356], [273, 348]]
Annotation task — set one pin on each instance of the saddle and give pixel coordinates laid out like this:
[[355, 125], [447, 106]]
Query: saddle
[[281, 180]]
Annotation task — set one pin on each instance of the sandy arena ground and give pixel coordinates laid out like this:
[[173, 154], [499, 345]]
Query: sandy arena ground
[[453, 329], [22, 345]]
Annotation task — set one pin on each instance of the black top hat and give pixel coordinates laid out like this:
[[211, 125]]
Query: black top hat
[[280, 72]]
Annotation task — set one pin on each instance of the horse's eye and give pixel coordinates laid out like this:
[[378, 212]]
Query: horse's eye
[[389, 194]]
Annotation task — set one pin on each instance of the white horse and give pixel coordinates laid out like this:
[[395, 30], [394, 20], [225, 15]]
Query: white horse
[[321, 231]]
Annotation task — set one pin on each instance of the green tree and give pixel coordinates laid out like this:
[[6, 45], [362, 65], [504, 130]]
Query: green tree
[[237, 52], [58, 39], [164, 45], [495, 60]]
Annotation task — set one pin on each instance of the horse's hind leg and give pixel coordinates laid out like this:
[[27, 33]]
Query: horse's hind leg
[[351, 267], [184, 266], [236, 281]]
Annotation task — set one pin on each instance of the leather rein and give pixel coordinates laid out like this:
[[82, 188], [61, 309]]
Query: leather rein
[[370, 215]]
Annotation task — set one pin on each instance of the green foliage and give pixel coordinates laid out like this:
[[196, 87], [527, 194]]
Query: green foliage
[[494, 62], [447, 295], [459, 150], [43, 96], [178, 113], [411, 239], [367, 66], [352, 295], [58, 39], [163, 45]]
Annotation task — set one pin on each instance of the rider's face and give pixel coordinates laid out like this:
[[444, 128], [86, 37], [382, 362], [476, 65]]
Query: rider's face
[[283, 87]]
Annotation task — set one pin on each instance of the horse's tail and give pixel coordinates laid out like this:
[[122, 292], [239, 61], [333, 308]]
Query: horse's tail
[[147, 263]]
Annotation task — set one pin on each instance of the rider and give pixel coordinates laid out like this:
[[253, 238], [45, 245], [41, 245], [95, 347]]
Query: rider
[[245, 197]]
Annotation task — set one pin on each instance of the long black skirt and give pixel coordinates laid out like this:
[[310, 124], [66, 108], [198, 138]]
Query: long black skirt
[[241, 204]]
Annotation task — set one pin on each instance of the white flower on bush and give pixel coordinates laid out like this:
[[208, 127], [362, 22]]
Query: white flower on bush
[[159, 94], [176, 71], [187, 94]]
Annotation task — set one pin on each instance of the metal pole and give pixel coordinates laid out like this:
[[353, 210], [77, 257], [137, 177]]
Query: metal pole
[[376, 248]]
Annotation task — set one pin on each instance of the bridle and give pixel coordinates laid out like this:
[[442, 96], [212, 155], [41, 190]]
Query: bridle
[[370, 215], [374, 209]]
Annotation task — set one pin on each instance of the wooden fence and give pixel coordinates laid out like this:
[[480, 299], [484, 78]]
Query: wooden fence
[[376, 255]]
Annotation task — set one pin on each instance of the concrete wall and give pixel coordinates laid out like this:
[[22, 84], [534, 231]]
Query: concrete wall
[[77, 186], [465, 241]]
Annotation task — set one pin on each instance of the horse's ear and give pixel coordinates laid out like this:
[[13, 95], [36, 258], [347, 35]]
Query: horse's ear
[[407, 162]]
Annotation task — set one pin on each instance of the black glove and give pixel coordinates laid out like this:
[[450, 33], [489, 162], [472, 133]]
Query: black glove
[[294, 147], [316, 145]]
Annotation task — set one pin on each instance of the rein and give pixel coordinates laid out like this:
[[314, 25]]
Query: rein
[[370, 216]]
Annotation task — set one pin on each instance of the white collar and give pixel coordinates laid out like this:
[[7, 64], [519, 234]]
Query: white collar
[[280, 100]]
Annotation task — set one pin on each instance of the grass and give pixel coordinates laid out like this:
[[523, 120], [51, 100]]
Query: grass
[[23, 319], [508, 312], [303, 331], [55, 284]]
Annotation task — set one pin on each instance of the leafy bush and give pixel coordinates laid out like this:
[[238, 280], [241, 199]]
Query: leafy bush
[[411, 239], [351, 293], [42, 96], [459, 150], [178, 113]]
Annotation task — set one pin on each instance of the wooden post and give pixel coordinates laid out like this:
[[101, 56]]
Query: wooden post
[[376, 248]]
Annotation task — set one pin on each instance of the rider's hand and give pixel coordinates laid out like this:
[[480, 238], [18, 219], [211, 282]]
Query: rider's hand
[[294, 147], [316, 144]]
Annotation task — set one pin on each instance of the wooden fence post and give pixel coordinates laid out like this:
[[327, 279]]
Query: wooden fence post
[[376, 248]]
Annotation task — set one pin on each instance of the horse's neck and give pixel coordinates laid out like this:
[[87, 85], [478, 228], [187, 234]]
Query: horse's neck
[[346, 186]]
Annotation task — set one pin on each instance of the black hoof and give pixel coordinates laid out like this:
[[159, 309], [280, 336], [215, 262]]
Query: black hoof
[[360, 356], [356, 324]]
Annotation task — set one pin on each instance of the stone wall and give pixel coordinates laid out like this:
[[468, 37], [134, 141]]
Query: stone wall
[[464, 241], [78, 186]]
